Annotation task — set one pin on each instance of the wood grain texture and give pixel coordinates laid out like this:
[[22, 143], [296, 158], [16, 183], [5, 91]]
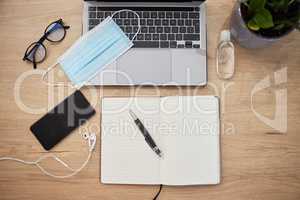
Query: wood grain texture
[[255, 164]]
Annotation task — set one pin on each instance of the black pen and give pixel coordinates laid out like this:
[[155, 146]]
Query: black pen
[[146, 134]]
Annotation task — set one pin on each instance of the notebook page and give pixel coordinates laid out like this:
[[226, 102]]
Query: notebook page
[[125, 156], [191, 141]]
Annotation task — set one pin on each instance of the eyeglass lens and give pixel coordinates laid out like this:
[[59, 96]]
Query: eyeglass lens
[[55, 32], [36, 52]]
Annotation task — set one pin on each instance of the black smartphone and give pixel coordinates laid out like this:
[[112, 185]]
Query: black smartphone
[[74, 111]]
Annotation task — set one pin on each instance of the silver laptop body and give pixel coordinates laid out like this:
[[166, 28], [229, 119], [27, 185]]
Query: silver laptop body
[[159, 56]]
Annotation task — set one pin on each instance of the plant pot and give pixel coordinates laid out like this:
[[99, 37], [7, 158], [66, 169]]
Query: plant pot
[[245, 37]]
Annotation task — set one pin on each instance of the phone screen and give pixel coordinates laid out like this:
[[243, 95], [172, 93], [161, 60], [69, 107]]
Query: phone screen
[[74, 111]]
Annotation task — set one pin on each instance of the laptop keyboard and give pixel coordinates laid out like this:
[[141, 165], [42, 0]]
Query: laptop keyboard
[[167, 27]]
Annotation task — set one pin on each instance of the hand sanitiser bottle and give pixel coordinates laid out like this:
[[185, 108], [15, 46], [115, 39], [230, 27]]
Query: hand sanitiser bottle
[[225, 56]]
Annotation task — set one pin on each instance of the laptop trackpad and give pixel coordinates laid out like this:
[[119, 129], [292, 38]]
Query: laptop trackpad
[[144, 66]]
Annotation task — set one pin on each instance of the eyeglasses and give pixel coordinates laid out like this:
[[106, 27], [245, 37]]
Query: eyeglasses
[[36, 52]]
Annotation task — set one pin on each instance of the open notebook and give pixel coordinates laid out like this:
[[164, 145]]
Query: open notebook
[[185, 128]]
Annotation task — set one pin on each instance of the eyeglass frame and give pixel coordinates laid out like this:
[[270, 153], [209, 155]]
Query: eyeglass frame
[[41, 40]]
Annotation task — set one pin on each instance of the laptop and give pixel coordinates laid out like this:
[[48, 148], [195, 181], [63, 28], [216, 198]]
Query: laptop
[[170, 48]]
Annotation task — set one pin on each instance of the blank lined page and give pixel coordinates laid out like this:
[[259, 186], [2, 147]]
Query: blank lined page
[[126, 158]]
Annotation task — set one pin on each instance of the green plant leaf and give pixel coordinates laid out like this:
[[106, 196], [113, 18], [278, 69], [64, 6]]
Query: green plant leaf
[[252, 25], [263, 19], [255, 5]]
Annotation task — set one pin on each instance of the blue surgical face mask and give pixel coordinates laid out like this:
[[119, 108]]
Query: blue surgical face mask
[[93, 51]]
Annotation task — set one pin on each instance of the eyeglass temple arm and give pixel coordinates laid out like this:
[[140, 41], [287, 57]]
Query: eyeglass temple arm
[[66, 27], [34, 65]]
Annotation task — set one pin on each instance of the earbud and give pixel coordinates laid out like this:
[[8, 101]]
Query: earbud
[[86, 136], [91, 137]]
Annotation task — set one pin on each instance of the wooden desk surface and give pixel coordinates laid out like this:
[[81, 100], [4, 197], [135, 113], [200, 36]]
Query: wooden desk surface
[[256, 164]]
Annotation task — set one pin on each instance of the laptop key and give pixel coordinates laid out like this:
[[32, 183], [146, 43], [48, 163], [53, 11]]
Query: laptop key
[[146, 15], [140, 36], [147, 36], [153, 14], [194, 15], [167, 29], [182, 29], [106, 14], [135, 29], [196, 46], [171, 36], [188, 22], [146, 44], [178, 37], [190, 29], [176, 14], [161, 14], [131, 15], [180, 46], [134, 22], [128, 29], [174, 29], [196, 22], [184, 15], [193, 37], [173, 22], [151, 29], [94, 22], [119, 21], [92, 8], [155, 36], [123, 14], [150, 22], [139, 13], [127, 22], [143, 22], [159, 29], [100, 14], [163, 36], [173, 44], [92, 14], [164, 44], [157, 22], [165, 22], [131, 35], [117, 15], [144, 29], [188, 44], [169, 14], [180, 22]]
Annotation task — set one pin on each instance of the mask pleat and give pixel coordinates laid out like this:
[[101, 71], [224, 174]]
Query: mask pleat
[[96, 49], [107, 55], [86, 50], [91, 55]]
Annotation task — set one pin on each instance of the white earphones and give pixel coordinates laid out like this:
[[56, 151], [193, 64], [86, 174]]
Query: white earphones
[[91, 138]]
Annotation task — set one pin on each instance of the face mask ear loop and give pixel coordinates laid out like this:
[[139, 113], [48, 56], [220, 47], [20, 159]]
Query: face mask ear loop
[[136, 14], [53, 84]]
